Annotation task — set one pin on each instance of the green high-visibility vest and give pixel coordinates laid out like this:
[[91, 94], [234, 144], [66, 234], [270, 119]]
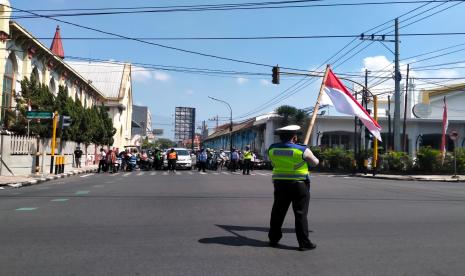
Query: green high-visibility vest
[[288, 163], [247, 155]]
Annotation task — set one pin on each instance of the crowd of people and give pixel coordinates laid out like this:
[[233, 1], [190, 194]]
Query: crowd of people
[[113, 160], [219, 160]]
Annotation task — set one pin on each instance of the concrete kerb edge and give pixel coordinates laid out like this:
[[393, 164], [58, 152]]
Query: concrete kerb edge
[[410, 178], [48, 178]]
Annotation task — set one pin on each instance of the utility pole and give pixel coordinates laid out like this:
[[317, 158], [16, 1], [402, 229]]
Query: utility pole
[[397, 79], [404, 135], [389, 140], [365, 103]]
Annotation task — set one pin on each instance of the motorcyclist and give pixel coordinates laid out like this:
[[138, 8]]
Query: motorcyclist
[[221, 159]]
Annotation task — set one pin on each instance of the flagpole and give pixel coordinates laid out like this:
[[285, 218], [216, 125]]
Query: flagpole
[[317, 106]]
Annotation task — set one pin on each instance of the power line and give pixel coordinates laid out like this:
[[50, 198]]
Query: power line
[[146, 42], [224, 7]]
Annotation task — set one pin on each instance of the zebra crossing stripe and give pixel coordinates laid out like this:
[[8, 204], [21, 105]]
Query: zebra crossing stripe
[[190, 173], [225, 173], [153, 173], [126, 174], [141, 173], [165, 173]]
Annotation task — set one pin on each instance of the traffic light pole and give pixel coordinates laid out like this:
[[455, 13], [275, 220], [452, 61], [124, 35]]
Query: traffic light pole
[[54, 134]]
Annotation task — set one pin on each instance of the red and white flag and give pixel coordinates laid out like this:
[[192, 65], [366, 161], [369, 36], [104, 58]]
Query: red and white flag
[[445, 124], [337, 95]]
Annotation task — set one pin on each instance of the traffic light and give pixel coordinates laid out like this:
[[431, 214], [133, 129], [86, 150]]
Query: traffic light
[[275, 76], [65, 121]]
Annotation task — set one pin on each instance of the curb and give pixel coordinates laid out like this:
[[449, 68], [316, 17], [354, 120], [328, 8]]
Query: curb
[[411, 178], [45, 179]]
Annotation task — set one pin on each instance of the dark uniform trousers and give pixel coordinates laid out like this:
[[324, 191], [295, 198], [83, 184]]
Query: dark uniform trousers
[[285, 193]]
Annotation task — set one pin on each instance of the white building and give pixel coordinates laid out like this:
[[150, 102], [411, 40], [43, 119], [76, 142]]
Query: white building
[[114, 81]]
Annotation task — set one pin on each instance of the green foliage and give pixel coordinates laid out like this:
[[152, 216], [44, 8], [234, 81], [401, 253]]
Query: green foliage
[[88, 125], [292, 115], [396, 161], [428, 160], [164, 143], [336, 159]]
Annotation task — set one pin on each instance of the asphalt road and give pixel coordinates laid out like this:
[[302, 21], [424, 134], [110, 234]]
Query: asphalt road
[[216, 224]]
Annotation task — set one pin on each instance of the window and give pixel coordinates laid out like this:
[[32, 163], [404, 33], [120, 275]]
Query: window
[[52, 86], [35, 75], [8, 82]]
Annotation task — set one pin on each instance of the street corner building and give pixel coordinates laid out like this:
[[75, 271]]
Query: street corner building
[[91, 83], [423, 109]]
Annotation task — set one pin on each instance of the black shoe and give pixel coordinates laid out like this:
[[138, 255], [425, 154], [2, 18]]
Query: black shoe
[[273, 244], [307, 247]]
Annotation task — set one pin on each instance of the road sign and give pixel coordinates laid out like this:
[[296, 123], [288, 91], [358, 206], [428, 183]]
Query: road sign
[[66, 121], [39, 115], [454, 135]]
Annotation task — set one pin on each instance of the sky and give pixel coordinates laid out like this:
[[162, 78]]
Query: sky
[[162, 91]]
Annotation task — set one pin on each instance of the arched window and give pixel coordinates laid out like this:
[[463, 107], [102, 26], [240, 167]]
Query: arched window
[[35, 75], [53, 87], [8, 82]]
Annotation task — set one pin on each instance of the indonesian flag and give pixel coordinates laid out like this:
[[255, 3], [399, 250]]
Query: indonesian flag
[[445, 124], [337, 95]]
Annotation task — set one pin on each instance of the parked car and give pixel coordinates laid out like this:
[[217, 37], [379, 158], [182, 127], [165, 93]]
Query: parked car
[[184, 159]]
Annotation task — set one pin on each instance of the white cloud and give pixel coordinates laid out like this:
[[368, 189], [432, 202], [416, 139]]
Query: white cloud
[[145, 74], [377, 63], [161, 76], [265, 82], [141, 74], [241, 80]]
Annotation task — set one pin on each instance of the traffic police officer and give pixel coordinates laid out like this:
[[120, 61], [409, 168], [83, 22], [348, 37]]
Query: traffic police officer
[[291, 185]]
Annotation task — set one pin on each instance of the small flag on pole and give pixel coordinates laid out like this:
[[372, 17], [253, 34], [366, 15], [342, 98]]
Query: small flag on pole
[[445, 124], [337, 95]]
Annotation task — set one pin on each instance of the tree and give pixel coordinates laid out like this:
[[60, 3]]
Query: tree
[[292, 115], [164, 143]]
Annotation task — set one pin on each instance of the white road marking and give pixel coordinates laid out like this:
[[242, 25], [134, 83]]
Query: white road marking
[[202, 173], [141, 173], [86, 175], [153, 173], [225, 173], [165, 173], [215, 173], [126, 174], [177, 173], [190, 173]]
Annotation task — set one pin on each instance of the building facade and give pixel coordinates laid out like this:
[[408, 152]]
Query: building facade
[[24, 56], [142, 122]]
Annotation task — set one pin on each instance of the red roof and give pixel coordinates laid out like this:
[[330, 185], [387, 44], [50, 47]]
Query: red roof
[[57, 46]]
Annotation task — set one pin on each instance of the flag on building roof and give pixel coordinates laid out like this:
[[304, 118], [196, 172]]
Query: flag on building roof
[[337, 95], [445, 124]]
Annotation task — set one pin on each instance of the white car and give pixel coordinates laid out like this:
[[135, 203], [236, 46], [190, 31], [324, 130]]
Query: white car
[[184, 159]]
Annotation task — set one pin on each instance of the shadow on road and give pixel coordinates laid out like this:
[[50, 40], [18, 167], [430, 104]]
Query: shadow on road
[[240, 240]]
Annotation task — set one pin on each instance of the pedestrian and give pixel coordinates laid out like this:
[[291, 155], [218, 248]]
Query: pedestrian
[[109, 165], [234, 158], [102, 160], [202, 158], [247, 161], [77, 156], [291, 185], [172, 158]]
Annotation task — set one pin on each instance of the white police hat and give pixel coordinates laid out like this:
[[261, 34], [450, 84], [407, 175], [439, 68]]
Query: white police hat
[[289, 128]]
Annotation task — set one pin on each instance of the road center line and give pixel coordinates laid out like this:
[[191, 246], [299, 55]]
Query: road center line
[[26, 209], [81, 193], [59, 200], [86, 175]]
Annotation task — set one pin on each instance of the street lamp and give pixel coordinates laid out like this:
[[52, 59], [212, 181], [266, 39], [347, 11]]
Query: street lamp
[[230, 122]]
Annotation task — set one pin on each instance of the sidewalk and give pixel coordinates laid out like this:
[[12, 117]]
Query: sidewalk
[[27, 180], [440, 178]]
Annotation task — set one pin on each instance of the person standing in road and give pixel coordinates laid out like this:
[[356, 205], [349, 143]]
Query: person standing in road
[[172, 158], [77, 156], [202, 160], [102, 160], [291, 185], [247, 160], [234, 158]]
